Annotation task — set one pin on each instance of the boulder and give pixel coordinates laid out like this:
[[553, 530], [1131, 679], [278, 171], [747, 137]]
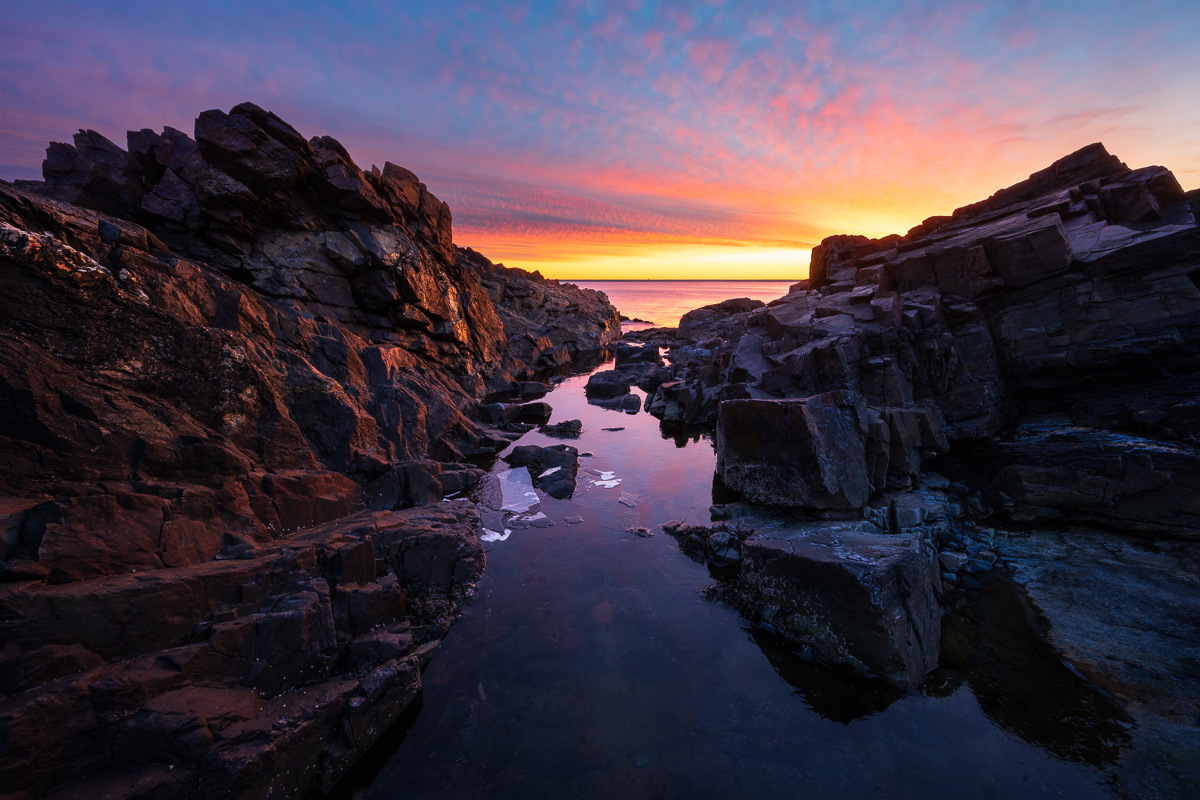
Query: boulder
[[554, 469], [858, 598], [807, 453], [610, 383], [567, 429]]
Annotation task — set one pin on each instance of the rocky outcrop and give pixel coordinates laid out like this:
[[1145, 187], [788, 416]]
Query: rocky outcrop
[[546, 322], [215, 351], [1074, 293], [1043, 346], [265, 674], [829, 451]]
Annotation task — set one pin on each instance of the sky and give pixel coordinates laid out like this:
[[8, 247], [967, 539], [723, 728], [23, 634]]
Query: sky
[[632, 138]]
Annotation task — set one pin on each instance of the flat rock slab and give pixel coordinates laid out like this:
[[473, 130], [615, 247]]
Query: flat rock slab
[[857, 598]]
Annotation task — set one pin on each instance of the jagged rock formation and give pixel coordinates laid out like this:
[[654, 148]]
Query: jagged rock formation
[[1075, 293], [210, 346], [546, 323], [1043, 345]]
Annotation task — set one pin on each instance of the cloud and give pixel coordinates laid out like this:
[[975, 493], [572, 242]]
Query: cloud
[[640, 122]]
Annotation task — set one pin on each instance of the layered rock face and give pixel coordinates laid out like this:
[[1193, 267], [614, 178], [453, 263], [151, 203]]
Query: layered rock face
[[208, 344], [1043, 344], [1072, 298]]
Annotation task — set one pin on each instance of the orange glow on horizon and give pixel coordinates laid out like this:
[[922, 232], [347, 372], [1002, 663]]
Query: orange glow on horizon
[[633, 260]]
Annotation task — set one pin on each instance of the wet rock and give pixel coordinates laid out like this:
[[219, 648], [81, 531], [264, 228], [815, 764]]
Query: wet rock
[[554, 469], [630, 404], [720, 543], [1076, 473], [567, 429], [863, 599], [1123, 611], [507, 413], [610, 383]]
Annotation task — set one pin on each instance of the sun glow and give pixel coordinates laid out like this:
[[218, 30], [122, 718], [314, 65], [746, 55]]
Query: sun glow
[[660, 261]]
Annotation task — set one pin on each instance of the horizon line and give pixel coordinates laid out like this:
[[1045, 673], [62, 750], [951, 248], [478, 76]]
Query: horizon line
[[678, 280]]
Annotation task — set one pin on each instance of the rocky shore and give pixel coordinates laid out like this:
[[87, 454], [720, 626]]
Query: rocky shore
[[246, 386], [235, 372], [1009, 388]]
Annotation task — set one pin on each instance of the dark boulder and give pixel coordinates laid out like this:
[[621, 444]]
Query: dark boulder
[[567, 429], [809, 453], [554, 469], [858, 598], [610, 383]]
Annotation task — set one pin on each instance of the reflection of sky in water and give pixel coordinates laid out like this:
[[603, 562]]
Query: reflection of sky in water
[[590, 665], [664, 302]]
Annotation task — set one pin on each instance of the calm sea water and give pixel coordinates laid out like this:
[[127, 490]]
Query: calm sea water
[[590, 665], [664, 302]]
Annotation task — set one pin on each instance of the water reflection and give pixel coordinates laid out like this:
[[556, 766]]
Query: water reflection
[[1024, 686], [834, 692], [591, 664]]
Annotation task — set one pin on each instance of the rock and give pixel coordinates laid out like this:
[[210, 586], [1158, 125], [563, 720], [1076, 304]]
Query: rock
[[408, 484], [713, 320], [209, 346], [554, 469], [268, 633], [637, 354], [807, 453], [94, 173], [863, 599], [611, 383], [952, 561], [630, 404], [534, 413], [720, 543], [1123, 612], [1066, 294], [567, 429], [543, 318], [1075, 473]]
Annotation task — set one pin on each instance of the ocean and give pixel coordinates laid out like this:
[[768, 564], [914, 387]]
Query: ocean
[[662, 303]]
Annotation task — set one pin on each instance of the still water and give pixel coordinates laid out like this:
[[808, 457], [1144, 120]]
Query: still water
[[590, 664], [662, 303]]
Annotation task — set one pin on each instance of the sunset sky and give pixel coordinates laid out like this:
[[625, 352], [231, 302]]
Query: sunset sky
[[637, 139]]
